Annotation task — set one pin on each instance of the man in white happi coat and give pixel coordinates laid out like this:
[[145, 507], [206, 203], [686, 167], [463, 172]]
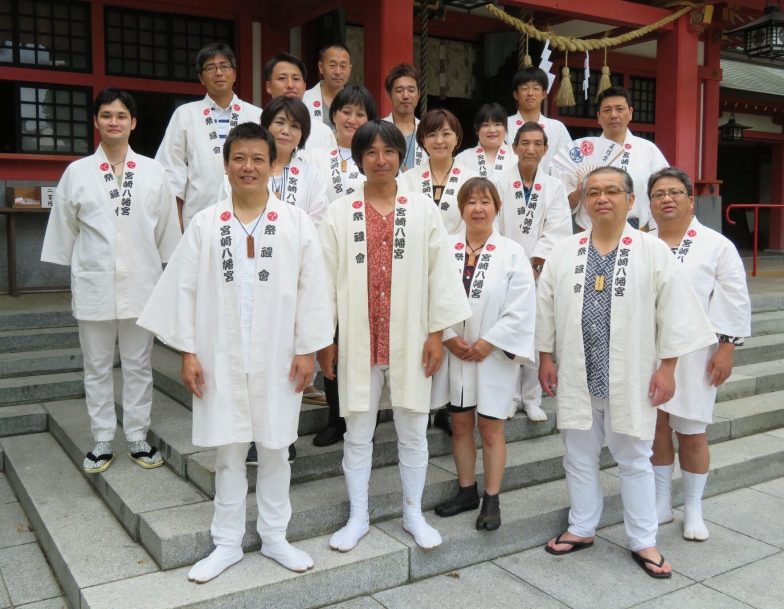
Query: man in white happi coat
[[114, 221], [616, 147], [535, 214], [529, 89], [393, 290], [244, 299], [402, 86], [716, 272], [192, 147], [615, 311], [334, 66]]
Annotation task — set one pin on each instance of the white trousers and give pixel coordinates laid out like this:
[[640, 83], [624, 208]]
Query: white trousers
[[231, 488], [411, 428], [98, 339], [638, 487], [529, 391]]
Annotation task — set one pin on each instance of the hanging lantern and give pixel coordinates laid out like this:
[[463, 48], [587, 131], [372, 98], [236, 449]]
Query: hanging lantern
[[732, 131], [764, 37]]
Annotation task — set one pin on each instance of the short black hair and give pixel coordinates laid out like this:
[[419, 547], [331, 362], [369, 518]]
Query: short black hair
[[614, 91], [249, 131], [356, 95], [401, 70], [213, 50], [489, 113], [530, 74], [287, 58], [110, 94], [671, 172], [295, 110], [530, 126], [365, 136], [333, 45], [435, 120]]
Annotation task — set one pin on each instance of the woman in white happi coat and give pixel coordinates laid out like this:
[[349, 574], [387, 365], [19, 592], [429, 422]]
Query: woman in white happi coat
[[393, 290], [441, 177], [717, 275], [114, 221], [352, 107], [492, 155], [486, 350], [244, 299]]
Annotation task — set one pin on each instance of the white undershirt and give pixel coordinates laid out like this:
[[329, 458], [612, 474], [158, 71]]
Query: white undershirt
[[246, 273]]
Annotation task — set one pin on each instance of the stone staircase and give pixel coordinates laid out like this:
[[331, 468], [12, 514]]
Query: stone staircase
[[125, 538]]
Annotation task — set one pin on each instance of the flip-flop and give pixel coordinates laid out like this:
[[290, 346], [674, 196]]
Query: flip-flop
[[575, 546], [138, 457], [642, 561], [107, 458]]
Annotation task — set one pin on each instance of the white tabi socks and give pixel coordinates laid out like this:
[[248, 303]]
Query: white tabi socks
[[358, 521], [694, 528], [414, 522], [287, 555], [534, 412], [221, 558], [663, 474]]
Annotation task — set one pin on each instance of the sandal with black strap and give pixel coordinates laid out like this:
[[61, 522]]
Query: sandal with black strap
[[574, 546], [99, 459], [144, 455]]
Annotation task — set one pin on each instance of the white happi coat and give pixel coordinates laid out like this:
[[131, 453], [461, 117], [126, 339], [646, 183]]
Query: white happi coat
[[114, 237], [420, 180], [716, 272], [655, 315], [427, 296], [475, 160], [314, 101], [541, 222], [195, 308], [558, 138], [420, 156], [502, 298], [336, 182], [638, 156], [320, 136], [192, 152]]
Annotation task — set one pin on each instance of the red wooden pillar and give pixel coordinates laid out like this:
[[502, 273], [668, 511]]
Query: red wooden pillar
[[273, 41], [711, 79], [776, 235], [677, 100], [389, 40]]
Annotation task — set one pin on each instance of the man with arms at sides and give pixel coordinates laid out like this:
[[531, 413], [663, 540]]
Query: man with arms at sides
[[244, 299], [616, 147], [393, 289], [536, 215], [402, 85], [716, 272], [192, 147], [529, 89], [615, 311], [114, 221], [334, 67]]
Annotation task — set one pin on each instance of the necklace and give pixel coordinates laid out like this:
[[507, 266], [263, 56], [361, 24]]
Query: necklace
[[250, 244], [473, 250], [439, 185], [343, 160], [279, 183]]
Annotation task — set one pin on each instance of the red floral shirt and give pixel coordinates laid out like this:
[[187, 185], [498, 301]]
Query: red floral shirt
[[380, 235]]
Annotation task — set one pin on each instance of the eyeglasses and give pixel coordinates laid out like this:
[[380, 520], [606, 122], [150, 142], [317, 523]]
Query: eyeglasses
[[214, 67], [612, 192], [674, 193]]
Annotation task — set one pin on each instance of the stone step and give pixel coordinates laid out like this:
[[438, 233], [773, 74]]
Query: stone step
[[753, 379], [82, 540], [37, 339], [31, 319], [760, 348], [31, 363], [767, 301], [22, 419], [41, 388], [768, 322], [747, 416], [127, 489]]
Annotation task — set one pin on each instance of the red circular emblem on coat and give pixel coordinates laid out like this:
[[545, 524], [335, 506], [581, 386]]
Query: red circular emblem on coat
[[295, 171], [104, 166], [206, 111], [225, 216], [490, 247], [131, 165], [627, 146], [272, 216], [518, 122], [537, 186], [402, 200], [517, 184], [584, 240], [317, 104], [426, 175], [692, 233], [542, 126], [459, 246], [356, 204], [627, 240], [586, 148], [236, 107], [480, 150], [334, 153], [456, 171]]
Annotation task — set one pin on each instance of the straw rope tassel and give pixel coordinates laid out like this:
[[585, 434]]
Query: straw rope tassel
[[565, 97], [424, 57], [604, 82]]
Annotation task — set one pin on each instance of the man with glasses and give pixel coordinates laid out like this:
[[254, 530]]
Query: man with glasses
[[616, 312], [192, 148]]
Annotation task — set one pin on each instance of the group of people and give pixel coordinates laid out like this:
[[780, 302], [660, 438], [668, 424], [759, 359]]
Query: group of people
[[466, 284]]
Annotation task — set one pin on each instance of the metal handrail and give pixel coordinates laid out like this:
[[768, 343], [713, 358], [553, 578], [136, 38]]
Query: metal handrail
[[756, 207]]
